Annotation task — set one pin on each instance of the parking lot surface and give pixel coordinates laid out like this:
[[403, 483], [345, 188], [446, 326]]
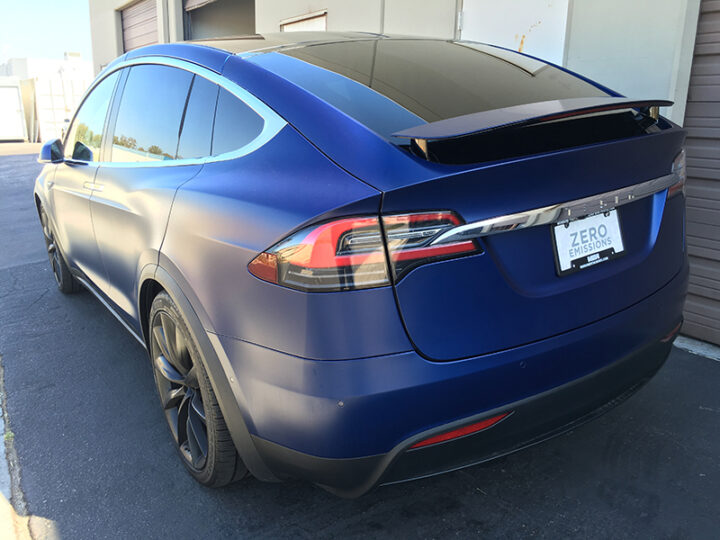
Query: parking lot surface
[[95, 457]]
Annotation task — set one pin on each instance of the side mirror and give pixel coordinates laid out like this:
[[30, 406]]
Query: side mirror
[[51, 152], [81, 152]]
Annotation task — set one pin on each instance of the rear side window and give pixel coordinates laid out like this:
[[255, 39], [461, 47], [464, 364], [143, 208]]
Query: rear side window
[[85, 136], [151, 108], [236, 124], [197, 128]]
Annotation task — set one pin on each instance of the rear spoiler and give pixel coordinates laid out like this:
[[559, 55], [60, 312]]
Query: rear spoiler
[[523, 115]]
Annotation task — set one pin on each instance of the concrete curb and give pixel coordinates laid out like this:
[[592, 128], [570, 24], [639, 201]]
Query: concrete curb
[[701, 348]]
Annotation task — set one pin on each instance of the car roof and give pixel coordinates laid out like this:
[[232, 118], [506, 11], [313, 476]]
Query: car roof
[[260, 43]]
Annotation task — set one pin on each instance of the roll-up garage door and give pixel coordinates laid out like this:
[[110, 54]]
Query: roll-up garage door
[[702, 120], [139, 25]]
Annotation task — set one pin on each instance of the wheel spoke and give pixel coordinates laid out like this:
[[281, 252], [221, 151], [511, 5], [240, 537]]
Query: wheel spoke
[[159, 336], [182, 415], [191, 378], [168, 371], [172, 398], [197, 406], [169, 332]]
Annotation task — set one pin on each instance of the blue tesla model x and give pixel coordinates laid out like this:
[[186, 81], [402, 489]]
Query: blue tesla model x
[[357, 259]]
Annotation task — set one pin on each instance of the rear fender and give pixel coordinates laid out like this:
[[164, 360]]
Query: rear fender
[[227, 391]]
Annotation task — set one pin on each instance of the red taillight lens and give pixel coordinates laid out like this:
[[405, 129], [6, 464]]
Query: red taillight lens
[[410, 239], [345, 254], [460, 432], [678, 168], [349, 253]]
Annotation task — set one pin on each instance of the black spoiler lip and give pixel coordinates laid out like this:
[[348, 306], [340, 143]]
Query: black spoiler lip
[[523, 115]]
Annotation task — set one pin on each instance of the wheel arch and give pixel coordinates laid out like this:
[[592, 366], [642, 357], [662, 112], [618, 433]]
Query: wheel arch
[[155, 278]]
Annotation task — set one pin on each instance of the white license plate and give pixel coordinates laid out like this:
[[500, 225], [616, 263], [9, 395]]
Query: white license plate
[[588, 241]]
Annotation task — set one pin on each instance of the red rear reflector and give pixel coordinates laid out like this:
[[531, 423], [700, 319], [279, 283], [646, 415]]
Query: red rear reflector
[[672, 333], [467, 430]]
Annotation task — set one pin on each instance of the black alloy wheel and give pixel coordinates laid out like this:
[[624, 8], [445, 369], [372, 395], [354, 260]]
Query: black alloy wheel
[[52, 250], [66, 282], [176, 377], [188, 399]]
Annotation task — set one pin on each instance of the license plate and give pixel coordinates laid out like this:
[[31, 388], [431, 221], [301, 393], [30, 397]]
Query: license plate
[[587, 241]]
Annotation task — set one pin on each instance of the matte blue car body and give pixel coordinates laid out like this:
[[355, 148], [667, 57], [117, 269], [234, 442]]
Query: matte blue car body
[[346, 375]]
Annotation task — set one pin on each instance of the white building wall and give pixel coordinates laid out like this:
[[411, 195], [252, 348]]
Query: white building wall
[[54, 88], [640, 48], [106, 27], [410, 17], [529, 26], [342, 15]]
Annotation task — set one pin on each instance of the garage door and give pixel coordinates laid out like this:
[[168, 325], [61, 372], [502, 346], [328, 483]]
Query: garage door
[[139, 25], [702, 120]]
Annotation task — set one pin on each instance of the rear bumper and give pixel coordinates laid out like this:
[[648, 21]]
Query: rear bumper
[[531, 421], [349, 425]]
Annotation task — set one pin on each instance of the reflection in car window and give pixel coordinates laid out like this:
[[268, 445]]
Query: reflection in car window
[[429, 79], [85, 136], [236, 124], [148, 120], [197, 127]]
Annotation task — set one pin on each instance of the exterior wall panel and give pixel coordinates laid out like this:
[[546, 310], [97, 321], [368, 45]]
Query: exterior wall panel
[[702, 120], [139, 25]]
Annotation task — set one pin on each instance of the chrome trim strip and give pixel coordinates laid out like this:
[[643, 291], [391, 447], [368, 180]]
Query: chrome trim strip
[[558, 213], [272, 125], [110, 309]]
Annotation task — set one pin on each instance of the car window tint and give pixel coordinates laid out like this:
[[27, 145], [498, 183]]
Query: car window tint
[[85, 136], [431, 79], [148, 120], [196, 136], [236, 124]]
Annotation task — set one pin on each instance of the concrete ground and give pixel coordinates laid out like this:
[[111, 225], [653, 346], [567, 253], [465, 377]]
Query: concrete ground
[[91, 456], [19, 148]]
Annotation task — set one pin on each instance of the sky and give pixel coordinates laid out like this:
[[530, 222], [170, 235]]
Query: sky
[[44, 28]]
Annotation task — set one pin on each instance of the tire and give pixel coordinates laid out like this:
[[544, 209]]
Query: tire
[[191, 409], [66, 282]]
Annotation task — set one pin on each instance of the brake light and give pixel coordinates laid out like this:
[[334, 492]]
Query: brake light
[[680, 171], [349, 253], [341, 255], [410, 239]]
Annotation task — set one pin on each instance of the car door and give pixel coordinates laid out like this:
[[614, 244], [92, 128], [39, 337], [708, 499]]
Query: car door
[[134, 188], [70, 191]]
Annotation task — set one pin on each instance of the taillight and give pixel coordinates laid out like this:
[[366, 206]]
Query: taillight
[[410, 239], [349, 253], [679, 170], [340, 255]]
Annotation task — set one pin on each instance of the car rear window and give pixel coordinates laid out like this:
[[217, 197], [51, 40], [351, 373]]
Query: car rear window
[[422, 80]]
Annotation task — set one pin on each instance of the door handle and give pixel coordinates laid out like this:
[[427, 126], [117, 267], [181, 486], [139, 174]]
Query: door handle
[[90, 186]]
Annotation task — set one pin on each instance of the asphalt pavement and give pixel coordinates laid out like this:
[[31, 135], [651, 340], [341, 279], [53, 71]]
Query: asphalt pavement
[[95, 459]]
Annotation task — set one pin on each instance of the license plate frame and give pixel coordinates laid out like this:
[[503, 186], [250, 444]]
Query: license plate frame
[[595, 249]]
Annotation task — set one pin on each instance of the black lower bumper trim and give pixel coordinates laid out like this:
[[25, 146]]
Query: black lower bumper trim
[[533, 420]]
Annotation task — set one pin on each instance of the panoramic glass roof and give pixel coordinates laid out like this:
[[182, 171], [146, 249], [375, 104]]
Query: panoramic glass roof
[[390, 84]]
